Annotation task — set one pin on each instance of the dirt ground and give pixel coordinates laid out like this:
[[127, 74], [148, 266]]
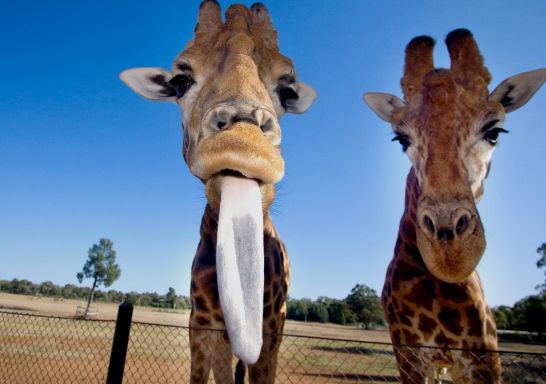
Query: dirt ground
[[62, 307], [61, 350]]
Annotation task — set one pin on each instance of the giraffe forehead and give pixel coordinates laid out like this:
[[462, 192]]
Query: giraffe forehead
[[443, 107], [241, 43], [439, 88], [228, 42]]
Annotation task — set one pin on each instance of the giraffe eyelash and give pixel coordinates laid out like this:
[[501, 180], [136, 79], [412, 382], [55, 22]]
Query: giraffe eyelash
[[403, 140], [492, 135]]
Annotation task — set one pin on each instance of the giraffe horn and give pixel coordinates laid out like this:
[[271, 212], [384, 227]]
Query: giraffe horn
[[237, 17], [209, 20], [262, 25], [467, 63], [418, 63]]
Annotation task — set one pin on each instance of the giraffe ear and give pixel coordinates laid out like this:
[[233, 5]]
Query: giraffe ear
[[517, 90], [151, 83], [383, 104], [296, 97]]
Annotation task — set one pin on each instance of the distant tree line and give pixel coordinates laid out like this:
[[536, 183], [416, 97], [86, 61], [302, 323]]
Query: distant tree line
[[361, 306], [71, 291], [528, 314]]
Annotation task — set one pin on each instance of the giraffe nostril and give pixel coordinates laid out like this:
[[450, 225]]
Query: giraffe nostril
[[427, 221], [267, 126], [220, 124], [462, 224], [445, 234]]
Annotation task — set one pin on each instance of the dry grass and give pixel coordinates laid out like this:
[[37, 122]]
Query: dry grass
[[67, 308], [63, 307], [36, 349]]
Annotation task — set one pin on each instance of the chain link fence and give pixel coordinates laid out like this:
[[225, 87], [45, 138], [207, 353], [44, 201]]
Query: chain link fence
[[45, 349]]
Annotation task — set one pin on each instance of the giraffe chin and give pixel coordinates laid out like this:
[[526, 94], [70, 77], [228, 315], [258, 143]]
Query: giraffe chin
[[451, 261], [240, 265]]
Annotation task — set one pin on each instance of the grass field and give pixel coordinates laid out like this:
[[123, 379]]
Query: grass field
[[56, 307], [40, 349]]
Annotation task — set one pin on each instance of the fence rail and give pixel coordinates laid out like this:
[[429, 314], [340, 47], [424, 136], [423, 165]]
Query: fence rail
[[45, 349]]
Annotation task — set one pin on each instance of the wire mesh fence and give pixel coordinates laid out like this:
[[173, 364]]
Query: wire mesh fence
[[45, 349], [51, 350]]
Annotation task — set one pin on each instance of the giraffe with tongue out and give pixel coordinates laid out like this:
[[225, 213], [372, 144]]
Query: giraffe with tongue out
[[233, 85]]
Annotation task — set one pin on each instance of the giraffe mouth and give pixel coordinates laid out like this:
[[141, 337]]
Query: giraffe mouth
[[235, 174], [240, 264], [244, 149]]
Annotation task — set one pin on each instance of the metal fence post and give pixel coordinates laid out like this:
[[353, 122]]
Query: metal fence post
[[119, 345]]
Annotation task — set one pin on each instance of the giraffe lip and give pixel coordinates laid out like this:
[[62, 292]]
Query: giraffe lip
[[242, 148], [235, 173]]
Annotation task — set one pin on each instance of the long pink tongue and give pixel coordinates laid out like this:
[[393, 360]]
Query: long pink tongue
[[240, 265]]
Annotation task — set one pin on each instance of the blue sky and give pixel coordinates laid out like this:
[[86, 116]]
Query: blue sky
[[82, 157]]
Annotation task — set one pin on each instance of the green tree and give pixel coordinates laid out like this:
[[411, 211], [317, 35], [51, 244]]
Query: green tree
[[170, 298], [366, 305], [22, 287], [146, 299], [529, 314], [291, 309], [303, 307], [183, 302], [541, 263], [100, 266], [70, 291], [47, 288], [504, 317], [318, 312], [133, 297], [339, 312]]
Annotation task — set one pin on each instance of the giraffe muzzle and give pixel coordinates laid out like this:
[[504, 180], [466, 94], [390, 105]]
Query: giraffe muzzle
[[242, 148], [224, 115], [446, 226], [450, 239]]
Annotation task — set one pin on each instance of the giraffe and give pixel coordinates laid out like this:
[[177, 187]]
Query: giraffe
[[448, 124], [233, 85]]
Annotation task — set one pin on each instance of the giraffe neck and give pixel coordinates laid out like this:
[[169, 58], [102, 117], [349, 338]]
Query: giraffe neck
[[423, 310], [206, 310], [406, 245]]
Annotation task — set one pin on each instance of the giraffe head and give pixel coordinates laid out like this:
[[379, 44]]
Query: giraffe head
[[449, 124], [233, 85]]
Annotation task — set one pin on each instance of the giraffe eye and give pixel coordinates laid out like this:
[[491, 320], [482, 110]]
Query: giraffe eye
[[403, 140], [492, 135], [181, 84]]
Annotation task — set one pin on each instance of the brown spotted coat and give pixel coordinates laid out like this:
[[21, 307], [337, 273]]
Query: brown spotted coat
[[206, 313], [422, 310]]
